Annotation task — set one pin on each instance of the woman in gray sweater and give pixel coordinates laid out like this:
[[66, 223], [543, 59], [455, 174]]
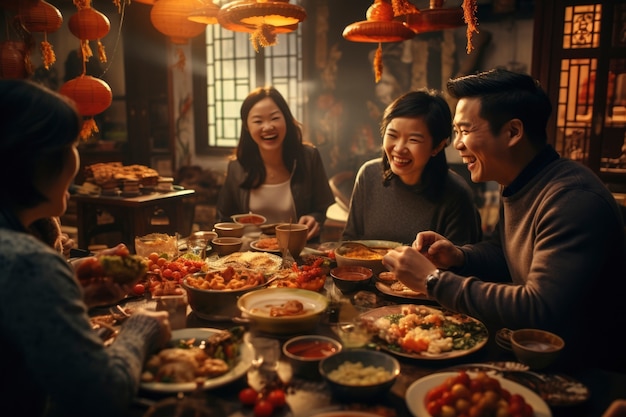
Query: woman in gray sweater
[[411, 189]]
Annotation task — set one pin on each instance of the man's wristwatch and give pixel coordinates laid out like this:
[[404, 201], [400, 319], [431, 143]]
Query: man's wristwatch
[[431, 280]]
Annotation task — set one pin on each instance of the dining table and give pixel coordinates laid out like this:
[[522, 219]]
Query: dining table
[[309, 395]]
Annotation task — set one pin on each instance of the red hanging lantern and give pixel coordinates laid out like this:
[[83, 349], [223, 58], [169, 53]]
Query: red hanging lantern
[[170, 17], [92, 96], [88, 24], [42, 17], [379, 27]]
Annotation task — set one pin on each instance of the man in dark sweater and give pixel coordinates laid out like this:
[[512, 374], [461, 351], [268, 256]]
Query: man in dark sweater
[[557, 258]]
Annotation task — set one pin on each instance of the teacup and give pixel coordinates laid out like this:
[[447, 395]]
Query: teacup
[[292, 236]]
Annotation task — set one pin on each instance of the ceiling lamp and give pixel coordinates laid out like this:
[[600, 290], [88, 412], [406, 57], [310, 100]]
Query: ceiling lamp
[[92, 96], [206, 14], [262, 19], [438, 17], [170, 17], [41, 17], [379, 27]]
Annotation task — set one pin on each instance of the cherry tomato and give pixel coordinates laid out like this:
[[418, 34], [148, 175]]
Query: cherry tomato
[[263, 408], [139, 289], [277, 397], [248, 396]]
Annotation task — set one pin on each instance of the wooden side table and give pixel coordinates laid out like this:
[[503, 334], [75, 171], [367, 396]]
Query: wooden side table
[[170, 213]]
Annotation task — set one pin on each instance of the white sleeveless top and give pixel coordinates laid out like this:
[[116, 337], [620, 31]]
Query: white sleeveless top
[[274, 201]]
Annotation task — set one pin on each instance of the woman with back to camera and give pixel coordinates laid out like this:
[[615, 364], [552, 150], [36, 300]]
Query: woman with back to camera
[[54, 364], [411, 189], [274, 173]]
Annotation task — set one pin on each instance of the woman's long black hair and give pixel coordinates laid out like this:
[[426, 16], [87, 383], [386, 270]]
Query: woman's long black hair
[[247, 150]]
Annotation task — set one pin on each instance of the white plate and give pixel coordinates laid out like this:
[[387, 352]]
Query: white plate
[[259, 261], [257, 303], [397, 309], [386, 289], [417, 391], [245, 361], [254, 246]]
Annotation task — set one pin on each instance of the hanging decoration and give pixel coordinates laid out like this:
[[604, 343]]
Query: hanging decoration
[[263, 19], [206, 14], [92, 96], [13, 60], [170, 17], [88, 24], [437, 17], [41, 17], [379, 27]]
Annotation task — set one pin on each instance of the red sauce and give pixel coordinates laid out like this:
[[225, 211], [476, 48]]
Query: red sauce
[[250, 220], [312, 349], [352, 276]]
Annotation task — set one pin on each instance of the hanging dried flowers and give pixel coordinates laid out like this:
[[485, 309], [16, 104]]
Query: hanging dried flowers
[[469, 15], [41, 17]]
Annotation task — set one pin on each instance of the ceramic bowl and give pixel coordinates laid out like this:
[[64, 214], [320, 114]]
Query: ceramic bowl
[[229, 229], [347, 256], [306, 352], [256, 306], [214, 305], [249, 219], [536, 348], [365, 387], [351, 278], [226, 245]]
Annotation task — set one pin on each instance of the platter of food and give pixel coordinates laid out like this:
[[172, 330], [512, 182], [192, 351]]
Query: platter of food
[[266, 244], [218, 356], [258, 261], [425, 332], [416, 394]]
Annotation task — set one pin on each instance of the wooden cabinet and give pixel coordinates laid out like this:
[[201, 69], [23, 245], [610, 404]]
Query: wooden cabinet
[[579, 55]]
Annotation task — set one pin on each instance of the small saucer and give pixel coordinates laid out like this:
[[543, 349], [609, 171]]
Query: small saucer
[[503, 338]]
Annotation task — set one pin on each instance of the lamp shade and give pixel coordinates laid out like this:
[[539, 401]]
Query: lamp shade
[[13, 60], [380, 26], [207, 14], [89, 24], [40, 17], [436, 17], [92, 95], [170, 17]]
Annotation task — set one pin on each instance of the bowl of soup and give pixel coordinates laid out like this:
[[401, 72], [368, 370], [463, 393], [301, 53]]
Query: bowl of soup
[[369, 255], [351, 278], [536, 348], [306, 352]]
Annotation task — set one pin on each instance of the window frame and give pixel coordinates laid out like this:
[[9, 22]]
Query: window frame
[[291, 87]]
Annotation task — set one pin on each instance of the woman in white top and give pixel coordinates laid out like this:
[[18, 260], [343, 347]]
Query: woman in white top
[[273, 173]]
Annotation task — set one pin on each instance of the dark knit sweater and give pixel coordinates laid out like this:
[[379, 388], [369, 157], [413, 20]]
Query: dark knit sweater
[[53, 362], [560, 243], [398, 212]]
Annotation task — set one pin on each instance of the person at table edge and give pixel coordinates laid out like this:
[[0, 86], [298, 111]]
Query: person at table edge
[[557, 258]]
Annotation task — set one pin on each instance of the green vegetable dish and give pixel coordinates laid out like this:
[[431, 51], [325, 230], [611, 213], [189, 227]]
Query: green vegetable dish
[[425, 332]]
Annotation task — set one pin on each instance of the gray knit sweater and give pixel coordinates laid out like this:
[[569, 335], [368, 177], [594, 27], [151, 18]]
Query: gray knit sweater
[[53, 364], [397, 212]]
